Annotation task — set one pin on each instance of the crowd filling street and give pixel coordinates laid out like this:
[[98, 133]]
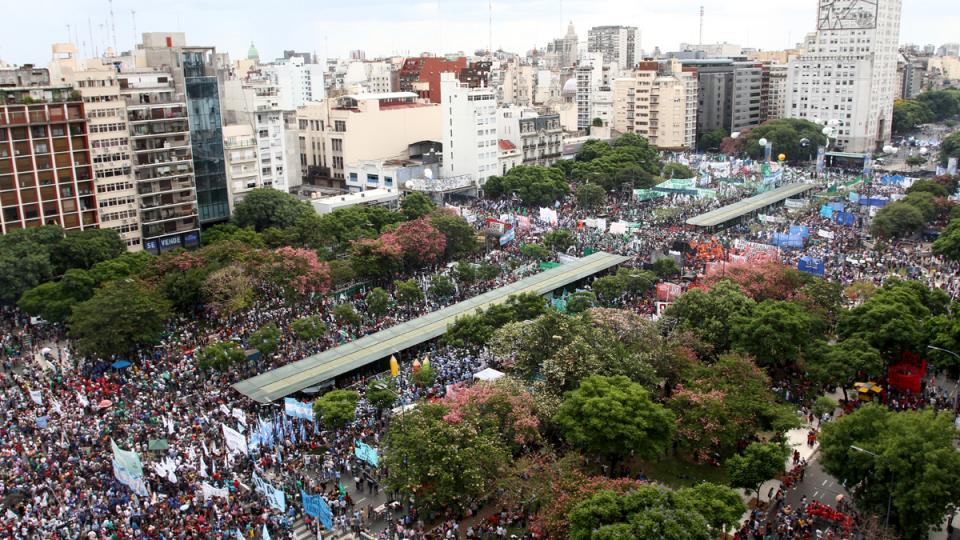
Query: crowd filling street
[[63, 411]]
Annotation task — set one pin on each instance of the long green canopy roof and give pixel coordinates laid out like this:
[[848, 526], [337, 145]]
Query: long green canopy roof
[[331, 363], [744, 207]]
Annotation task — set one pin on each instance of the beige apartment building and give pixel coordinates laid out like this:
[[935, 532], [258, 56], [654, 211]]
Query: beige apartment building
[[343, 131], [659, 103]]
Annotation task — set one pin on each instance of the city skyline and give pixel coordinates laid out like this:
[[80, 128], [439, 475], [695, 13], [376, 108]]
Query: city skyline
[[388, 27]]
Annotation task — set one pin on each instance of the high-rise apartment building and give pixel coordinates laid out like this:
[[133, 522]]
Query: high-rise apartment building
[[594, 90], [256, 102], [848, 72], [298, 82], [162, 158], [659, 103], [469, 130], [773, 103], [46, 171], [619, 44], [563, 52], [730, 94], [243, 167], [421, 75], [194, 73]]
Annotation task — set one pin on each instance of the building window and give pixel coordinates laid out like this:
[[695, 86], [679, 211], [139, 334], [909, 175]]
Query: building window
[[373, 179], [339, 125], [388, 181], [353, 177]]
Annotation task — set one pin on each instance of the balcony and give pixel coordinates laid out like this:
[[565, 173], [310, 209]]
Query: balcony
[[164, 186], [170, 156], [167, 199], [165, 214], [155, 145], [154, 230], [164, 171]]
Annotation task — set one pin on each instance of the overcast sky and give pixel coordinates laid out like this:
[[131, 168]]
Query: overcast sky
[[384, 27]]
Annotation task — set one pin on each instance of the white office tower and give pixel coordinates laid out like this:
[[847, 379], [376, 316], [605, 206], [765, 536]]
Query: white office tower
[[469, 130], [849, 72]]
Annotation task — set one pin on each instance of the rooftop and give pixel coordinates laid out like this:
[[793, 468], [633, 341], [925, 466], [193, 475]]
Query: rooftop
[[741, 208], [328, 365]]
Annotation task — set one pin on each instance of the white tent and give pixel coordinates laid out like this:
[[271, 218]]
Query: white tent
[[488, 374]]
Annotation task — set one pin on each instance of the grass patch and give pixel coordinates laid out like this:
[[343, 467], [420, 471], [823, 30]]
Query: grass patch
[[679, 472]]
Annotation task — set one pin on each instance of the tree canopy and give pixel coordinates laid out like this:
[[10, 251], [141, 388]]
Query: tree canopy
[[913, 460], [649, 511], [786, 135], [267, 207], [336, 408], [614, 417], [134, 315], [534, 185]]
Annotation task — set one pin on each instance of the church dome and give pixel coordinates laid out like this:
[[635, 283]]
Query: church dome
[[252, 53], [570, 87]]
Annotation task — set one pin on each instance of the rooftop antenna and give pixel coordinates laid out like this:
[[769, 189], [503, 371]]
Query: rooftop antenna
[[113, 28], [701, 25], [490, 29], [92, 44]]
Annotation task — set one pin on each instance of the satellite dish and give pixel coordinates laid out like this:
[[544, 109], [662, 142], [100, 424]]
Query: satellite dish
[[428, 174]]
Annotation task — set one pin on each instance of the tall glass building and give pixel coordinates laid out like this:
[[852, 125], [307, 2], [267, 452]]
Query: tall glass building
[[206, 133]]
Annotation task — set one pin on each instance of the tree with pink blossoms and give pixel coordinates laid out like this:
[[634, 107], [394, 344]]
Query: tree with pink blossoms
[[767, 280], [296, 270], [503, 408], [420, 243]]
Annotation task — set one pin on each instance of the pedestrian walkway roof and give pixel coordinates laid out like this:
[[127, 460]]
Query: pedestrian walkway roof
[[739, 209], [331, 363]]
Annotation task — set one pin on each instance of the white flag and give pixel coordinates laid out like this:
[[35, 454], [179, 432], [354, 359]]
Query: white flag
[[83, 400], [203, 468], [36, 396], [239, 415], [55, 406], [235, 441]]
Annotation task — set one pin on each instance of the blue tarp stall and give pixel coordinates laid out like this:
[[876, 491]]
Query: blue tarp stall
[[838, 206], [794, 241], [826, 211], [891, 180], [799, 230], [811, 266], [878, 202], [845, 218]]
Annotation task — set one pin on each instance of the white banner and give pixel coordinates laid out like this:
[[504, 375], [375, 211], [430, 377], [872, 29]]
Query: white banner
[[36, 396], [823, 233], [239, 415], [236, 442], [209, 492]]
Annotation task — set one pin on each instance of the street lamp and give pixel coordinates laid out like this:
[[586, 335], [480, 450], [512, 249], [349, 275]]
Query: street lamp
[[889, 491]]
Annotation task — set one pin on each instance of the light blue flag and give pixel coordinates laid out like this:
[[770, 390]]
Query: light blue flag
[[266, 534]]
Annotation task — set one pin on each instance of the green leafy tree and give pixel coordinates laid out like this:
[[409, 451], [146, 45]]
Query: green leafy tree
[[535, 186], [83, 249], [415, 205], [590, 196], [535, 251], [486, 272], [721, 506], [226, 232], [824, 405], [425, 376], [928, 186], [309, 328], [665, 268], [677, 170], [375, 259], [382, 394], [786, 135], [53, 301], [558, 239], [944, 104], [125, 266], [608, 289], [134, 314], [346, 314], [465, 272], [777, 333], [475, 330], [581, 301], [614, 417], [649, 511], [636, 281], [711, 141], [442, 465], [710, 315], [840, 364], [408, 292], [263, 208], [915, 161], [25, 260], [892, 321], [950, 148], [378, 302], [220, 355], [908, 114], [758, 463], [266, 339], [460, 235], [908, 457], [341, 273], [336, 408], [943, 331], [948, 244], [897, 220], [441, 287]]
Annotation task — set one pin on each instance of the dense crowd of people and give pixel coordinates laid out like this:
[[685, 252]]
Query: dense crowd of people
[[61, 411]]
